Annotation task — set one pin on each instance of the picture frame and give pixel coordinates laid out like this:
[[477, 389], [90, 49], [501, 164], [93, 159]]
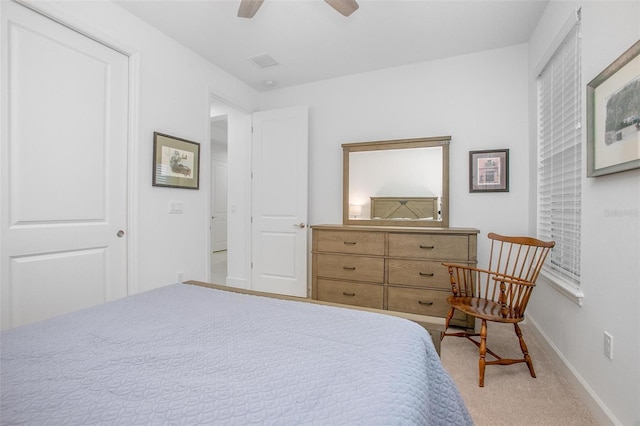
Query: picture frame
[[489, 170], [613, 116], [176, 162]]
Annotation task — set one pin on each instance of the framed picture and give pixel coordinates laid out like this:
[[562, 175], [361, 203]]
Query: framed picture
[[176, 162], [613, 116], [489, 171]]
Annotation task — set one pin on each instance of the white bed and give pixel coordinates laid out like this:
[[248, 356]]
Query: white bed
[[189, 355]]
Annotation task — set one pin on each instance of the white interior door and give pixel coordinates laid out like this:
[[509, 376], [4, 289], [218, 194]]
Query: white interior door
[[279, 201], [64, 169], [219, 206]]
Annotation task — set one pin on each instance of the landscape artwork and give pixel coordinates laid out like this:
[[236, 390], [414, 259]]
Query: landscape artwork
[[613, 116]]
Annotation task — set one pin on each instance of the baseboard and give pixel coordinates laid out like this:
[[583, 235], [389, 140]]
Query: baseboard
[[598, 409], [237, 283]]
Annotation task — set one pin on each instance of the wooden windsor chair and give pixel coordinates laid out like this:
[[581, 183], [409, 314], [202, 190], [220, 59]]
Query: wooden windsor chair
[[499, 293]]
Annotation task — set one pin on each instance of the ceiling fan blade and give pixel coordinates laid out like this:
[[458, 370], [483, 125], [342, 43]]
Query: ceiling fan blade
[[345, 7], [248, 8]]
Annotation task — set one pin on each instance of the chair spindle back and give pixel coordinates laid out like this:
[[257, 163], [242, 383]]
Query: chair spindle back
[[514, 266]]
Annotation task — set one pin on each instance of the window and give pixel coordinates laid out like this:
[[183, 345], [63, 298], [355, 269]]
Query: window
[[560, 157]]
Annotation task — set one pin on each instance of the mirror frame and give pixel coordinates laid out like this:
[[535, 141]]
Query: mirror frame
[[442, 141]]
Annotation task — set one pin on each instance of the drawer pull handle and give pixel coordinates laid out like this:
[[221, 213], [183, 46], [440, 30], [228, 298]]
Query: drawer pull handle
[[350, 243], [349, 268], [422, 246], [425, 303], [426, 274], [344, 293]]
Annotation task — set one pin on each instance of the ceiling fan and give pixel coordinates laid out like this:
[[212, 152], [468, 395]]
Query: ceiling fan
[[248, 8]]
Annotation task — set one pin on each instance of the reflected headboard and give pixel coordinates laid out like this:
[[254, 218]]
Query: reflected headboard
[[404, 208]]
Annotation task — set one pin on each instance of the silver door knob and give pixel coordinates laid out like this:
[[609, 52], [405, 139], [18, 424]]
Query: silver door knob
[[120, 234], [299, 225]]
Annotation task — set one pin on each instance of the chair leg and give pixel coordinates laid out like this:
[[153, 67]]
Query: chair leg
[[483, 352], [446, 323], [525, 350]]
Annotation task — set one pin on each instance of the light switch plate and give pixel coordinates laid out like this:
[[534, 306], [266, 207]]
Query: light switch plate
[[175, 207]]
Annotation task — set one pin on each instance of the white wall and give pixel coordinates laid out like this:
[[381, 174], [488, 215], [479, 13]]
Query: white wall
[[478, 99], [173, 89], [610, 247]]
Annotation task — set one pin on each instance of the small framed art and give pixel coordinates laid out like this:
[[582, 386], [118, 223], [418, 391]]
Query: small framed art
[[613, 116], [176, 162], [489, 171]]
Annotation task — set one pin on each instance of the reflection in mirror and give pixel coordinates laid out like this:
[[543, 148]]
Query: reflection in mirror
[[400, 183], [377, 176]]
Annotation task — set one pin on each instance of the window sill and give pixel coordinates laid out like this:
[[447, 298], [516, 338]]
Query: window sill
[[570, 292]]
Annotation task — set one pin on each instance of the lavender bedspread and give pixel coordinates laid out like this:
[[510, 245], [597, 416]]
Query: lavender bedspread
[[190, 355]]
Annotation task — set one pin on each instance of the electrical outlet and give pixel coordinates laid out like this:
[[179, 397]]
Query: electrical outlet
[[179, 277], [608, 345]]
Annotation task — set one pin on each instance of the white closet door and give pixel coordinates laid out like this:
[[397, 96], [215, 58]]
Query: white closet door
[[64, 169]]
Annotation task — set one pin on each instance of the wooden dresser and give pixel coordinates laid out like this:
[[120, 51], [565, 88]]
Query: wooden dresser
[[392, 268]]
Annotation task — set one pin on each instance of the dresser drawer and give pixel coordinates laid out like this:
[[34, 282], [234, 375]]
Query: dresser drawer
[[351, 242], [429, 246], [419, 301], [422, 273], [356, 294], [354, 268]]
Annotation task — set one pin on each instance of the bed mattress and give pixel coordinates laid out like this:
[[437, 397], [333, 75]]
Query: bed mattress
[[190, 355]]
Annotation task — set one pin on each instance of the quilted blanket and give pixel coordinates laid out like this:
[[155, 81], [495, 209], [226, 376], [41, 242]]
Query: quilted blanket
[[187, 355]]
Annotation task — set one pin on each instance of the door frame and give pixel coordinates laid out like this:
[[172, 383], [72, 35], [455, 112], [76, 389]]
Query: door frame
[[212, 189], [57, 14], [234, 279], [240, 245]]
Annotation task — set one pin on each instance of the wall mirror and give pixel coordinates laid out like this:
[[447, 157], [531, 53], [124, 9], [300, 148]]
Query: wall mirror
[[402, 182]]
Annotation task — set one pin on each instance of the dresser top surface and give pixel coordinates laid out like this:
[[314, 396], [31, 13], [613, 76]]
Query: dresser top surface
[[403, 229]]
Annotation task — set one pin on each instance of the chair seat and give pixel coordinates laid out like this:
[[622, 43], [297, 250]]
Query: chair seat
[[483, 308]]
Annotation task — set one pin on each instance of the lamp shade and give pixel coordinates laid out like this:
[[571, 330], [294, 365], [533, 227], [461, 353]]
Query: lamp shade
[[355, 210]]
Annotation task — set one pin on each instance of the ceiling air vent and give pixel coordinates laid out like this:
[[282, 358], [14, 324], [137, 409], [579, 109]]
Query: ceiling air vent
[[263, 61]]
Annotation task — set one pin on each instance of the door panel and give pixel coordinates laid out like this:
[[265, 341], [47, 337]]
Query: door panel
[[39, 280], [279, 261], [219, 207], [64, 162], [279, 201], [39, 163]]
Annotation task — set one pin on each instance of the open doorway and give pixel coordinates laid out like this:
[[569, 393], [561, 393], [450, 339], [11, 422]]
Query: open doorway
[[218, 197], [230, 143]]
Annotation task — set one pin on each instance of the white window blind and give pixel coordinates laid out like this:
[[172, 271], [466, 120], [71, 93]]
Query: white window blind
[[560, 158]]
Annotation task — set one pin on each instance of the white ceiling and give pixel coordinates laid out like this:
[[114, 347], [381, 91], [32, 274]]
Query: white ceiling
[[312, 42]]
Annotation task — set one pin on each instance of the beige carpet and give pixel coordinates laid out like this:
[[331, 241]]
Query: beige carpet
[[510, 395]]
